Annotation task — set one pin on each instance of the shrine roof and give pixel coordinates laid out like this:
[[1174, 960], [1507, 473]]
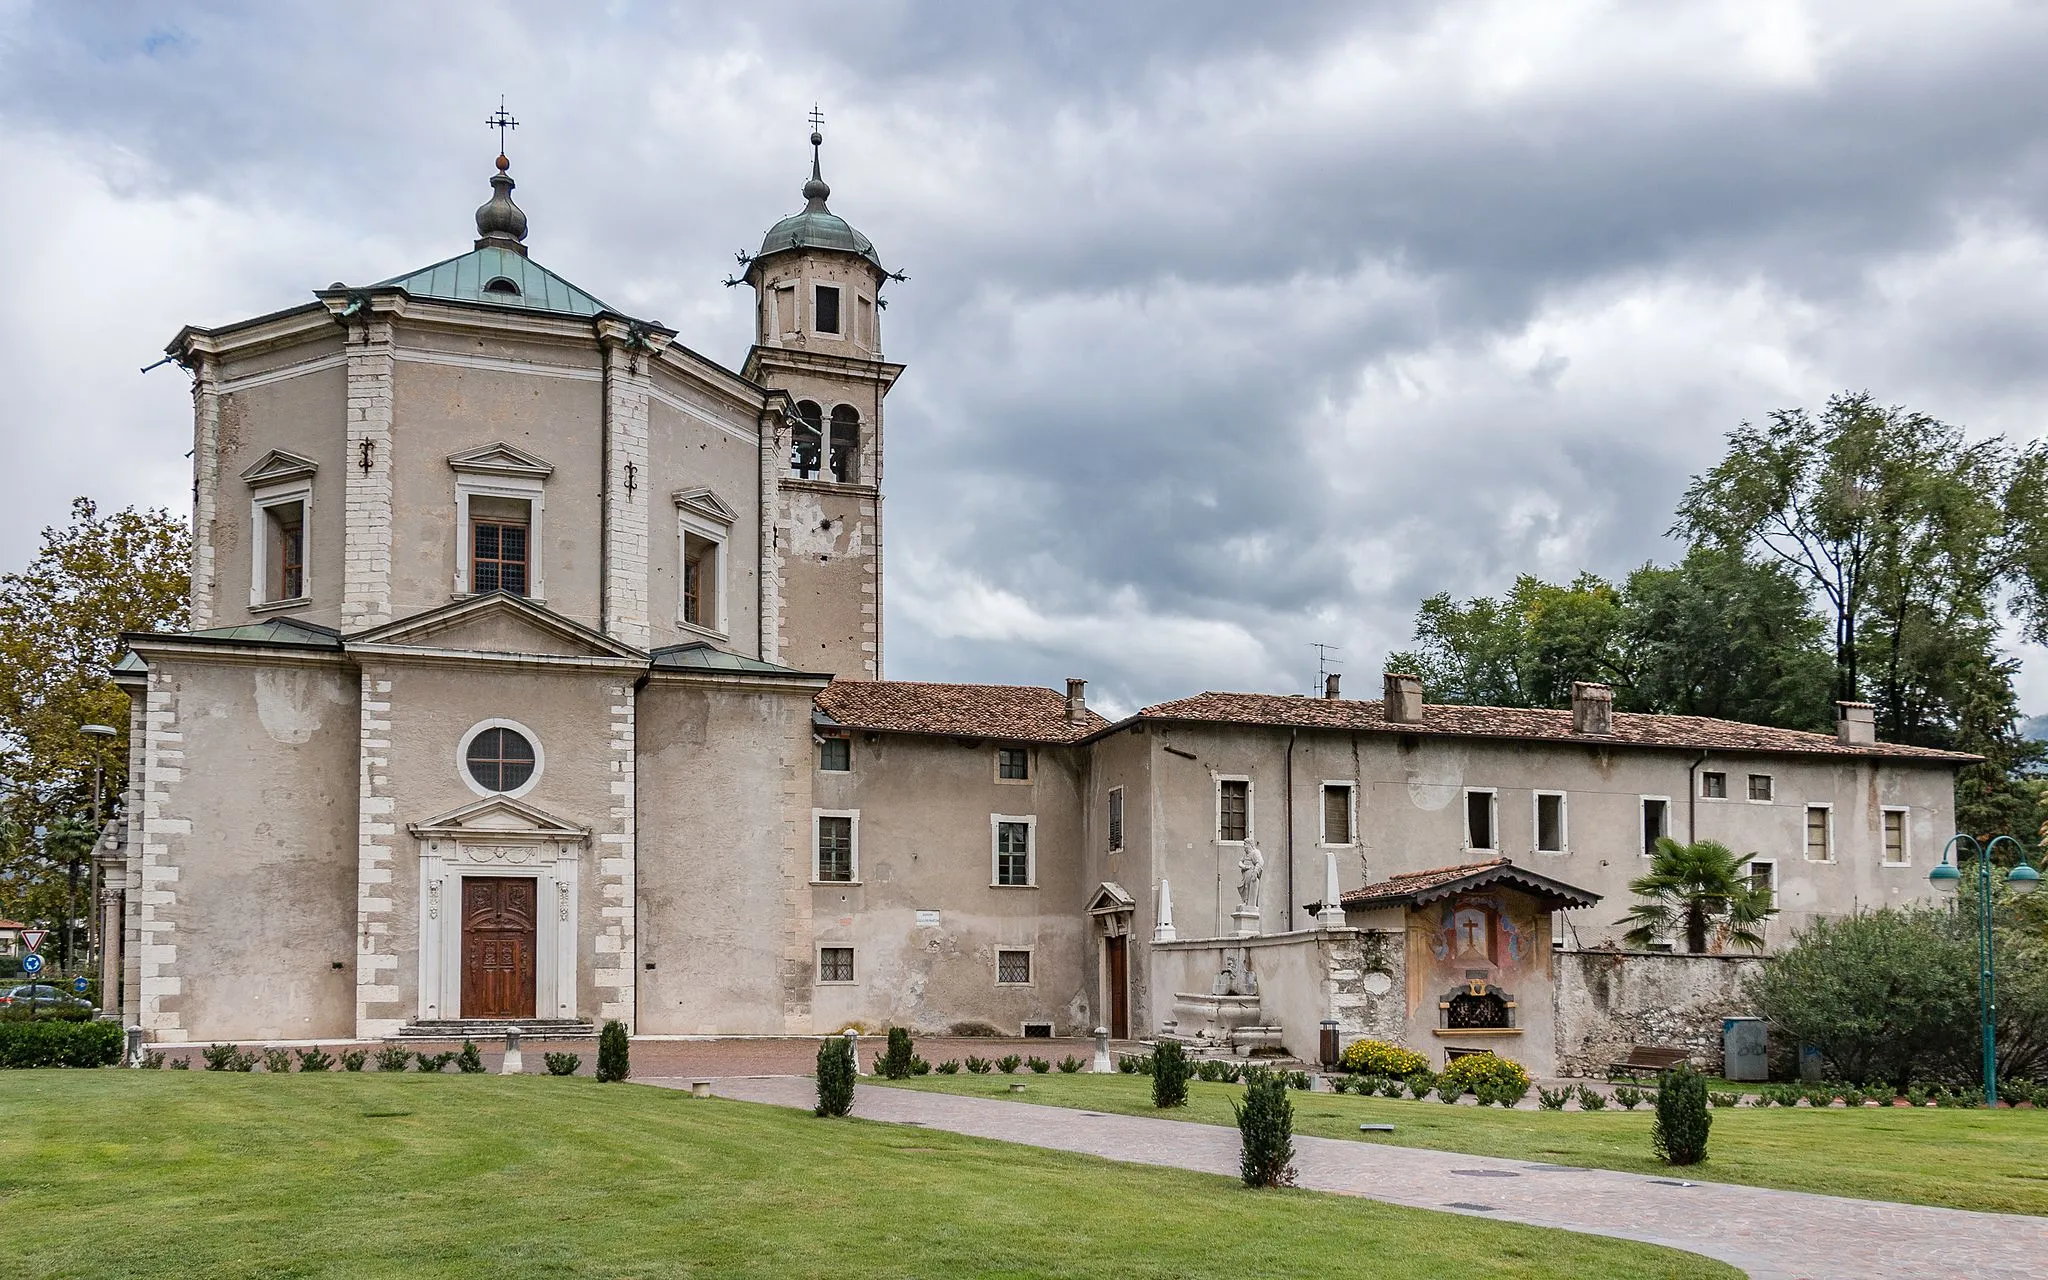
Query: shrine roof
[[1417, 888]]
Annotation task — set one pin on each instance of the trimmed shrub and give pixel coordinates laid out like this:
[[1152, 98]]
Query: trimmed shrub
[[470, 1061], [562, 1064], [315, 1059], [353, 1059], [49, 1042], [950, 1067], [1170, 1072], [1725, 1099], [1552, 1099], [1591, 1099], [1627, 1097], [1680, 1134], [1378, 1058], [1420, 1084], [1070, 1064], [1300, 1080], [277, 1061], [431, 1063], [228, 1057], [1008, 1063], [1039, 1066], [393, 1058], [1465, 1074], [895, 1062], [1265, 1126], [1134, 1064], [835, 1077], [1916, 1094], [918, 1066], [978, 1065], [614, 1056]]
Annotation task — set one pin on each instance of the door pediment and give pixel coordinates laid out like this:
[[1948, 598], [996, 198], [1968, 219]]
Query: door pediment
[[499, 820], [1111, 899]]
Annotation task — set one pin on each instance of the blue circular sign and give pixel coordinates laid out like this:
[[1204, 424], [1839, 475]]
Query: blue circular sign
[[79, 984], [31, 964]]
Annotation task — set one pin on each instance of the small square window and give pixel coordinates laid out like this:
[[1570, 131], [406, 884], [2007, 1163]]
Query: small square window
[[1013, 968], [835, 964], [1233, 809], [835, 755], [1116, 819], [1013, 764], [828, 308], [1714, 786], [1760, 786]]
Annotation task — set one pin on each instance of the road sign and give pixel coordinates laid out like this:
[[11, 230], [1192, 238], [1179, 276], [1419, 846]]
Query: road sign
[[79, 984], [31, 964], [33, 938]]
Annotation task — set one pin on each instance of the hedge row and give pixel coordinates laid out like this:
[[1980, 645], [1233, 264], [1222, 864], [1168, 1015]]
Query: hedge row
[[50, 1043]]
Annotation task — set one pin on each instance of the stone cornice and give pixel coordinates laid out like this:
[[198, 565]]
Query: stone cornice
[[788, 360]]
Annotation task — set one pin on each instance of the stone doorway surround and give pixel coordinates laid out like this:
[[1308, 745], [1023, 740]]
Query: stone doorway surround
[[500, 838]]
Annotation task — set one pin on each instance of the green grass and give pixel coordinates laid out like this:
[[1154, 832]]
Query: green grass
[[106, 1173], [1987, 1160]]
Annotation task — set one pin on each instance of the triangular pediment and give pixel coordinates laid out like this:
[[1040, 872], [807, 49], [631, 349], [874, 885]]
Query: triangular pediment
[[499, 818], [501, 459], [1111, 899], [277, 467], [706, 505], [495, 624]]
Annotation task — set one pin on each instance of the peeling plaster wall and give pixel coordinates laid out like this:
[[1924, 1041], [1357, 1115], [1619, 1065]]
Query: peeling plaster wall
[[1351, 976], [1608, 1001]]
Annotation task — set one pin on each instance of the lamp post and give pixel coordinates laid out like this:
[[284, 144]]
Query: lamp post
[[102, 732], [2022, 879]]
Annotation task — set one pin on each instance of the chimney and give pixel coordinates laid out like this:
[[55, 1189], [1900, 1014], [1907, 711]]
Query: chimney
[[1855, 724], [1403, 699], [1592, 708], [1330, 685], [1077, 705]]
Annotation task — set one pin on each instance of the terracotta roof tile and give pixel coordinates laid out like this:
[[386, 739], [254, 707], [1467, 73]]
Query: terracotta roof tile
[[1419, 886], [1525, 723], [1020, 713]]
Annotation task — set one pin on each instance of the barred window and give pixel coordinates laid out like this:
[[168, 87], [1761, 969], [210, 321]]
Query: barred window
[[835, 849], [497, 557], [1233, 808], [835, 964], [1013, 966], [1013, 853]]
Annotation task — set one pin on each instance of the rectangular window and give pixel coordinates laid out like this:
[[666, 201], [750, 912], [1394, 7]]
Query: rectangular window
[[785, 308], [1895, 838], [1013, 764], [1820, 835], [835, 861], [1013, 968], [835, 964], [864, 321], [1479, 820], [827, 313], [1760, 787], [1116, 819], [835, 755], [702, 578], [498, 545], [1550, 828], [1656, 822], [1714, 786], [1337, 813], [1013, 852], [1233, 809], [284, 533], [1763, 874]]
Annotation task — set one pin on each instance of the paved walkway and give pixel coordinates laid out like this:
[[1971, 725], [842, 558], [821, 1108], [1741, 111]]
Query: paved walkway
[[1773, 1235]]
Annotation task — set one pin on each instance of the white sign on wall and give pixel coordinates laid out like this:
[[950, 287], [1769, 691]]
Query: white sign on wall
[[927, 919]]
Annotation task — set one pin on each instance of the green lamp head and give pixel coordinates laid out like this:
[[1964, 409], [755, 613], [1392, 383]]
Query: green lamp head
[[2022, 879], [1945, 878]]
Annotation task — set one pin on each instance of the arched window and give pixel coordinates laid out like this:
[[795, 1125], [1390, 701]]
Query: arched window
[[500, 759], [807, 450], [502, 284], [845, 444]]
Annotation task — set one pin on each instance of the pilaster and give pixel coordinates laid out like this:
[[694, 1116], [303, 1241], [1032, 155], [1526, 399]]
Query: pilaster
[[616, 897], [159, 981], [205, 487], [626, 490], [799, 960], [366, 573], [378, 1011], [775, 443]]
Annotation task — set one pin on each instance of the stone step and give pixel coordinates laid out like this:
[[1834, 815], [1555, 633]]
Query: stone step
[[481, 1029]]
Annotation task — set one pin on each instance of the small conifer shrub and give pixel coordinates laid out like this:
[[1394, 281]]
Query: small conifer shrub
[[470, 1061], [978, 1065], [1170, 1072], [895, 1064], [1627, 1097], [1591, 1099], [1039, 1066], [277, 1061], [1009, 1062], [315, 1059], [562, 1064], [221, 1057], [1680, 1134], [393, 1058], [613, 1054], [353, 1059], [1070, 1065], [431, 1063], [1265, 1126], [835, 1077], [918, 1066], [181, 1064], [950, 1067], [1552, 1099]]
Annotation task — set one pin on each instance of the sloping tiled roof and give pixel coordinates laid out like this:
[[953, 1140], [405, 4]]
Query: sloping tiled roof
[[283, 633], [702, 655], [1418, 887], [1020, 713], [463, 277], [1632, 729]]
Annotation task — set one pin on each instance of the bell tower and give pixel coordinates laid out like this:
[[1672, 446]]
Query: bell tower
[[818, 340]]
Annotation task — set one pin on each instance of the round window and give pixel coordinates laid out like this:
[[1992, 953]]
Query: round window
[[500, 759]]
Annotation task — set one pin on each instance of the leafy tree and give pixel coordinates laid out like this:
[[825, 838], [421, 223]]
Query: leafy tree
[[1701, 890], [1523, 650], [61, 620]]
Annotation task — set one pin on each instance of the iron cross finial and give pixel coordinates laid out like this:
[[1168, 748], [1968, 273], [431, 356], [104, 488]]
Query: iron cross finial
[[501, 120], [817, 119]]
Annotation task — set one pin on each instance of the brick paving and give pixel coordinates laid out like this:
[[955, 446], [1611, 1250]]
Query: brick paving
[[1773, 1235]]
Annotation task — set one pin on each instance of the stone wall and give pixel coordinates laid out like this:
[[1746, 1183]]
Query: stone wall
[[1607, 1001]]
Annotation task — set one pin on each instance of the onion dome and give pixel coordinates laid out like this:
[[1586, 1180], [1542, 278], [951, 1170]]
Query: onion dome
[[500, 223], [817, 227]]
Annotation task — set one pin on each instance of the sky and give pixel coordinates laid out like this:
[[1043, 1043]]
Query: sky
[[1230, 328]]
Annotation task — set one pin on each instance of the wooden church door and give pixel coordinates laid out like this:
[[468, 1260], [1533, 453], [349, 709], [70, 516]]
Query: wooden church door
[[497, 946], [1116, 960]]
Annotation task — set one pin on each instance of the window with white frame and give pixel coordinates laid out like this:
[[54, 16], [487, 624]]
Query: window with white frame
[[1760, 788], [842, 459], [277, 571], [1013, 764], [1763, 875], [1011, 852], [1656, 822], [1340, 810], [825, 308], [1713, 785], [1896, 851], [1551, 835], [835, 964], [1481, 831], [1116, 819], [500, 521], [1013, 968], [1820, 833], [703, 578], [835, 842], [807, 441], [1233, 810]]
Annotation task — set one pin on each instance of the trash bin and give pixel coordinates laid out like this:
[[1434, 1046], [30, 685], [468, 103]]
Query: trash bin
[[1745, 1044]]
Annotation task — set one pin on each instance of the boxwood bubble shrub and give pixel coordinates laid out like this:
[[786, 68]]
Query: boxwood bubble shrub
[[562, 1064], [1680, 1134], [1170, 1072]]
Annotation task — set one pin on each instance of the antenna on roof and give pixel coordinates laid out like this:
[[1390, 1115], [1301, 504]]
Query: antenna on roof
[[1323, 664], [501, 120]]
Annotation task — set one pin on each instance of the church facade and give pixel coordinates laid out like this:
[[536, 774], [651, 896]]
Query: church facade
[[536, 676]]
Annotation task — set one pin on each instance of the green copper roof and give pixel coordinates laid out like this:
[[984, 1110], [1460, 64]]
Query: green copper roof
[[277, 631], [817, 228], [701, 655], [464, 279]]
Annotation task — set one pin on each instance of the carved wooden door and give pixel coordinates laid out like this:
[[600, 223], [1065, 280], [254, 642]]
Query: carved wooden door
[[497, 946], [1116, 961]]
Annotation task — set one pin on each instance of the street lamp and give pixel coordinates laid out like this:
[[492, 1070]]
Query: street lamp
[[101, 731], [2022, 880]]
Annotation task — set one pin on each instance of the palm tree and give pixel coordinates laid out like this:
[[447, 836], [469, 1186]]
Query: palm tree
[[1697, 888]]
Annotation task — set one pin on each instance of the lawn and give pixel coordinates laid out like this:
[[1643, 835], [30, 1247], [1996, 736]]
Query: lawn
[[114, 1173], [1963, 1159]]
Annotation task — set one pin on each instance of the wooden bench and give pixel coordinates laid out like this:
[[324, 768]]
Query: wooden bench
[[1646, 1058]]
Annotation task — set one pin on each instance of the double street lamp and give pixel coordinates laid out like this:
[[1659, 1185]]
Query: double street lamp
[[2022, 880]]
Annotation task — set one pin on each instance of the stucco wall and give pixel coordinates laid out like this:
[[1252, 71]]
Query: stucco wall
[[1608, 1001], [686, 452], [1506, 946], [1351, 976]]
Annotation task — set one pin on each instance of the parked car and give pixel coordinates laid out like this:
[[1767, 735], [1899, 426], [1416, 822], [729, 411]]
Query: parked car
[[40, 994]]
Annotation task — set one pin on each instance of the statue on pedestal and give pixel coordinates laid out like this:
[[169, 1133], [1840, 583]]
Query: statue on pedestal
[[1250, 868]]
